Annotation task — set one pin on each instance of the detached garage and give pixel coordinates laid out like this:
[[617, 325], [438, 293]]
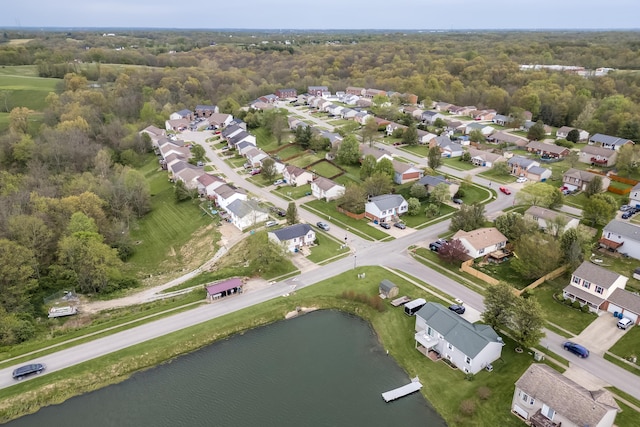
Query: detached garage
[[625, 302]]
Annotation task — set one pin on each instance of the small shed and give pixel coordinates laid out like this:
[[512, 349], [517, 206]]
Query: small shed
[[222, 289], [387, 289]]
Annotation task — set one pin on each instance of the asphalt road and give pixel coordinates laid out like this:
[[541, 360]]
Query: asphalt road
[[390, 254]]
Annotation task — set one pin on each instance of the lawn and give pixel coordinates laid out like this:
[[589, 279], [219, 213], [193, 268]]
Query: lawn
[[326, 169], [456, 163], [566, 317], [497, 176], [418, 150], [326, 248], [288, 151], [504, 272], [360, 227], [629, 345], [161, 235], [304, 160], [293, 193], [27, 92]]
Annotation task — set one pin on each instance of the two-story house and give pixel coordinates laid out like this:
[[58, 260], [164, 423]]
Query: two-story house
[[519, 166], [405, 172], [469, 346], [246, 213], [546, 398], [207, 183], [482, 241], [324, 188], [591, 285], [623, 237], [550, 221], [385, 208], [576, 179], [294, 176], [563, 132], [429, 117], [294, 237], [226, 194]]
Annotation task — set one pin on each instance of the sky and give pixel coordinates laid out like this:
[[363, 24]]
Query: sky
[[325, 14]]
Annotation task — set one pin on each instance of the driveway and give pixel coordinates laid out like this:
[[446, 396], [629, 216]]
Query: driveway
[[601, 334]]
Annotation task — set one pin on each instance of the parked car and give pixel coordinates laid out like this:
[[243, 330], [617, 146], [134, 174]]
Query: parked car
[[278, 182], [385, 225], [627, 214], [625, 323], [457, 201], [521, 179], [400, 225], [323, 226], [278, 211], [505, 190], [566, 191], [256, 171], [271, 223], [456, 308], [576, 349], [26, 370], [624, 208], [435, 246]]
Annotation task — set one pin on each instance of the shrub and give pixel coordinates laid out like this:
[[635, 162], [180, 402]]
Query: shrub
[[585, 308], [484, 393], [567, 301], [468, 407], [469, 377], [576, 304]]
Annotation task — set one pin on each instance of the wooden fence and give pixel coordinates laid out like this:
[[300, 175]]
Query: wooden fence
[[467, 268], [555, 273]]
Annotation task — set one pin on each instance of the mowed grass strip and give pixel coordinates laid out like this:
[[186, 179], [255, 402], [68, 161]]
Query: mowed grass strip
[[29, 92], [162, 232]]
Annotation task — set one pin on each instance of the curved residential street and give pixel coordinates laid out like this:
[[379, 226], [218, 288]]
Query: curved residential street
[[391, 254]]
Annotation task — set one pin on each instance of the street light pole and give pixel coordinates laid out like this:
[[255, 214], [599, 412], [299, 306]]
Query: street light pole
[[355, 258]]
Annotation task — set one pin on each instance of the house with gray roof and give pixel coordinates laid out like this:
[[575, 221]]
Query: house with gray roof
[[241, 136], [431, 181], [294, 237], [551, 221], [185, 172], [468, 346], [485, 158], [625, 302], [547, 150], [608, 141], [324, 188], [519, 166], [598, 156], [503, 137], [621, 236], [206, 110], [576, 179], [429, 117], [546, 398], [182, 114], [385, 208], [226, 194], [563, 132], [591, 285], [246, 213], [231, 131], [485, 129], [207, 183], [501, 120], [538, 173], [405, 172]]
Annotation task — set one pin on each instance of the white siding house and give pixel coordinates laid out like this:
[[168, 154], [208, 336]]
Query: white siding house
[[482, 241], [246, 213], [293, 237], [591, 285], [324, 188], [623, 237], [385, 208], [468, 346]]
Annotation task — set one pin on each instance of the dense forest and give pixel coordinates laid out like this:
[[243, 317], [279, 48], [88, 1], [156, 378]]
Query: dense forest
[[69, 187]]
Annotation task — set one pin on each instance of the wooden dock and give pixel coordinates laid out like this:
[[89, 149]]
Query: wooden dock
[[405, 390], [400, 301]]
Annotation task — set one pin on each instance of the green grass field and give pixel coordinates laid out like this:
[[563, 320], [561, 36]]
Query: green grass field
[[325, 169], [168, 227], [26, 91]]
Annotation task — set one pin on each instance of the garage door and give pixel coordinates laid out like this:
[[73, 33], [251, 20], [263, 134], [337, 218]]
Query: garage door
[[613, 308], [631, 316]]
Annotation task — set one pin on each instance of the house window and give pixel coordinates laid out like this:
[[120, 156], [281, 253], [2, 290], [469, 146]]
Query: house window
[[576, 280], [524, 397], [586, 284], [547, 412], [440, 336], [465, 370], [599, 290], [450, 346], [429, 331], [468, 360]]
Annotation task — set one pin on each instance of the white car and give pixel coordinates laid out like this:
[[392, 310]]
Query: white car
[[278, 182], [521, 180]]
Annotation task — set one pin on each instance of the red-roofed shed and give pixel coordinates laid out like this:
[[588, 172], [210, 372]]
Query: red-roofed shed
[[223, 289]]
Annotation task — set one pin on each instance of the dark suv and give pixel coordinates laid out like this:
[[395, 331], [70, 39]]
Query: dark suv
[[457, 308], [26, 370]]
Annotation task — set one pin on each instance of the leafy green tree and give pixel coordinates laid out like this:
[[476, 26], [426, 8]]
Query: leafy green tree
[[368, 166], [353, 198], [377, 184], [540, 194], [434, 157], [501, 169], [414, 206], [303, 136], [410, 135], [599, 209], [292, 213], [439, 123], [418, 191], [24, 150], [432, 210], [385, 167], [369, 131], [264, 255], [17, 275], [627, 161], [527, 322], [536, 255], [181, 192], [468, 217], [573, 245], [198, 153], [349, 151], [594, 186], [536, 132], [319, 143], [573, 135], [476, 135], [440, 193], [499, 304], [513, 225], [572, 158], [278, 127], [268, 169], [80, 222]]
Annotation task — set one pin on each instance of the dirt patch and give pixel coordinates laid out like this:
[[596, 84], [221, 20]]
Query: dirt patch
[[299, 311]]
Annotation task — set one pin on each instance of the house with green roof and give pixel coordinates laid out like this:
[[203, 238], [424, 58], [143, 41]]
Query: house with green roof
[[468, 346]]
